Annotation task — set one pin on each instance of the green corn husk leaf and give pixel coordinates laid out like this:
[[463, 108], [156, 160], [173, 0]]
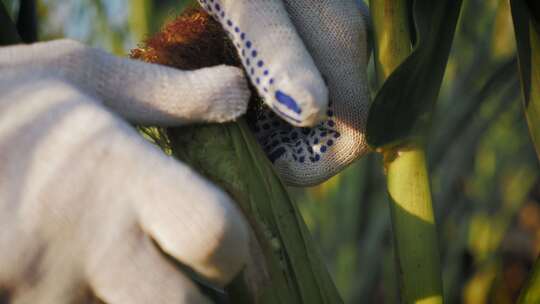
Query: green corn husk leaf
[[8, 31], [402, 108], [525, 15], [287, 267]]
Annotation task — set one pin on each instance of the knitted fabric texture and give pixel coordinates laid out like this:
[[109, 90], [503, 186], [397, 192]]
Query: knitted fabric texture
[[335, 36], [88, 205], [141, 93], [274, 57]]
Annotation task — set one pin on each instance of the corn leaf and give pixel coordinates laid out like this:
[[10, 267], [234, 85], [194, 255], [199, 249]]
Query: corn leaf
[[525, 15], [8, 32], [402, 108]]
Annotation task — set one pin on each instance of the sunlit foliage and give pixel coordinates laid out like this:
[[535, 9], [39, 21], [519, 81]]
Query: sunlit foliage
[[485, 175]]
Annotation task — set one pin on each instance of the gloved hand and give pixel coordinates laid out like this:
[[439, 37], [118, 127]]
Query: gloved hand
[[293, 50], [86, 205]]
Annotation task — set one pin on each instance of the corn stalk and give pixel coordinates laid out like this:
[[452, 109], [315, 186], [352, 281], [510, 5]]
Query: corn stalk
[[397, 125]]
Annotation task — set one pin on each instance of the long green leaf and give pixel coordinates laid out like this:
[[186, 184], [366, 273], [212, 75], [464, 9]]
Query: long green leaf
[[526, 17], [402, 108], [8, 32], [528, 44], [457, 121]]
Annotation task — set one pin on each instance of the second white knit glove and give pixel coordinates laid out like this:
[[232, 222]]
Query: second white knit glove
[[292, 51]]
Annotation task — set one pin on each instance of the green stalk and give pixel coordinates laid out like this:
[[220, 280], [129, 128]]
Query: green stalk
[[391, 35], [413, 223], [139, 20]]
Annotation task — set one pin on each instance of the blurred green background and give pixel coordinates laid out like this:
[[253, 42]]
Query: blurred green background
[[485, 175]]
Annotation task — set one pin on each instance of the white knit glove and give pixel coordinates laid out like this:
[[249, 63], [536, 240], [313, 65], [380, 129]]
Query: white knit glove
[[290, 49], [89, 211]]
